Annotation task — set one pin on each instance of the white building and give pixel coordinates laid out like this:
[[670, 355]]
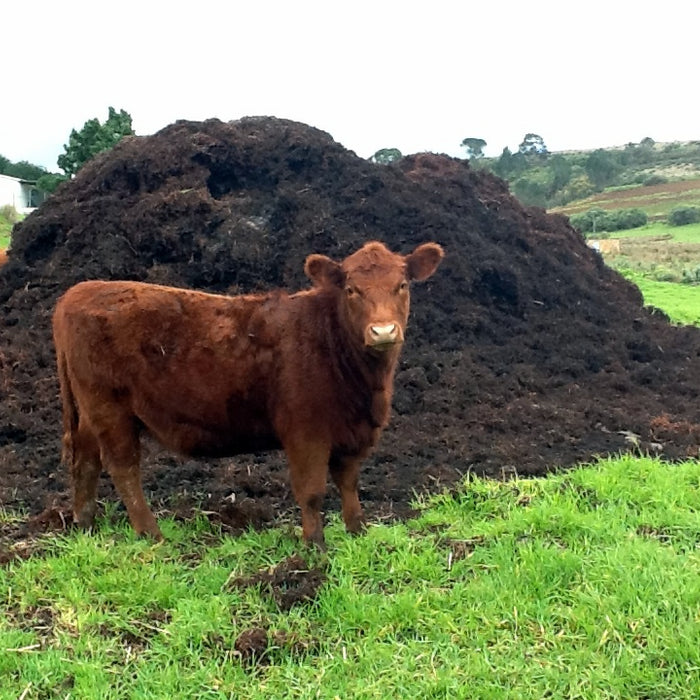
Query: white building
[[23, 195]]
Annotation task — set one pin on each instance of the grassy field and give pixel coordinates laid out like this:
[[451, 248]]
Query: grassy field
[[660, 253], [580, 585], [680, 301], [689, 233]]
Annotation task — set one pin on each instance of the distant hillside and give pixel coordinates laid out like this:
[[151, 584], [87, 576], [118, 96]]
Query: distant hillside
[[554, 180], [656, 201]]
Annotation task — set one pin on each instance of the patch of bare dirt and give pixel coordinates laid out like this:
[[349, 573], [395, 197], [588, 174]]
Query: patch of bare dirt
[[290, 583], [257, 645]]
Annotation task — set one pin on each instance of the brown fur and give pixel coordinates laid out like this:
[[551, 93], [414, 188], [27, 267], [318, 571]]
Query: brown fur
[[3, 256], [212, 375]]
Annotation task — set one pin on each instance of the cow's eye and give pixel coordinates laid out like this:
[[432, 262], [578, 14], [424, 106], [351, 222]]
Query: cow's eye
[[350, 291], [403, 286]]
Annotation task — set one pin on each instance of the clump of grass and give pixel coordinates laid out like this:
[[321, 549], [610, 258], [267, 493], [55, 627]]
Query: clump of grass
[[582, 584]]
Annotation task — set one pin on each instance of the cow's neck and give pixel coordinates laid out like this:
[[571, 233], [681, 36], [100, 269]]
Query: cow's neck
[[369, 377]]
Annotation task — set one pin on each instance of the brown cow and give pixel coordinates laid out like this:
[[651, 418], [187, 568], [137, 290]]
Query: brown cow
[[212, 375], [3, 256]]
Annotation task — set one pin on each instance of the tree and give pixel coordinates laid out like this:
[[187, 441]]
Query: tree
[[561, 172], [24, 170], [601, 167], [50, 181], [474, 147], [578, 188], [503, 166], [533, 144], [384, 156], [530, 191], [94, 138], [509, 164]]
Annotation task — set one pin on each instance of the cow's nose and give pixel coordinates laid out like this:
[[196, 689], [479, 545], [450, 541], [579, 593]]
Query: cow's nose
[[380, 335]]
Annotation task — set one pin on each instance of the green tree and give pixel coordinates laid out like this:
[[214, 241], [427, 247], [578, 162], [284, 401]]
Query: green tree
[[504, 164], [561, 172], [601, 167], [384, 156], [48, 182], [578, 188], [474, 147], [24, 170], [510, 164], [533, 144], [94, 138], [592, 221], [531, 191]]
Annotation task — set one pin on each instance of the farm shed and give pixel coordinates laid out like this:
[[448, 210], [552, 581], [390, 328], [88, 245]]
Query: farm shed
[[23, 195]]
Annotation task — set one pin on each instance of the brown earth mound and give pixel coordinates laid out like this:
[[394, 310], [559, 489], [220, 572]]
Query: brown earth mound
[[524, 352]]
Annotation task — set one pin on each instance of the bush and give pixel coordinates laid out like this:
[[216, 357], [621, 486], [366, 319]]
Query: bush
[[691, 276], [680, 216], [9, 213], [626, 218], [597, 220], [655, 179]]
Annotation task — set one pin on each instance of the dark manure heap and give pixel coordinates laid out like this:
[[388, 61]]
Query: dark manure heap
[[524, 352]]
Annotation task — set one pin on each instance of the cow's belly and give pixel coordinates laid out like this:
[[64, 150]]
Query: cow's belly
[[212, 434]]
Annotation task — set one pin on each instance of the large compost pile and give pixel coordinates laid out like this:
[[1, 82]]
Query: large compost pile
[[524, 352]]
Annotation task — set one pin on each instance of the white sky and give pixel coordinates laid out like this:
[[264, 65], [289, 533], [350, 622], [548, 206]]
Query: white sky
[[417, 76]]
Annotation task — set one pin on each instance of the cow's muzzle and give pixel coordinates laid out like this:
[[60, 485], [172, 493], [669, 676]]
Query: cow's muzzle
[[383, 336]]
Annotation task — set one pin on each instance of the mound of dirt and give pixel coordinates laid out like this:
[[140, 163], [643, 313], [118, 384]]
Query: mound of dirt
[[524, 352]]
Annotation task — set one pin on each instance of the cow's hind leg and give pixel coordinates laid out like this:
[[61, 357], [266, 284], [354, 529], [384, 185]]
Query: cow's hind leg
[[345, 472], [120, 453], [85, 467]]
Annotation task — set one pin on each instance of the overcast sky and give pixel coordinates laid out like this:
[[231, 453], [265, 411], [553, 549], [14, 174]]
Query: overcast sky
[[417, 76]]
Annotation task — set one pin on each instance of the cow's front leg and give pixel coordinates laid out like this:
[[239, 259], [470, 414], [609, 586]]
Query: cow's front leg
[[308, 474], [345, 472]]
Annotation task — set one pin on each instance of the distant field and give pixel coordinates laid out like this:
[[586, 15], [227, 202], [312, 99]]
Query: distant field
[[660, 253], [680, 234], [680, 301], [655, 200]]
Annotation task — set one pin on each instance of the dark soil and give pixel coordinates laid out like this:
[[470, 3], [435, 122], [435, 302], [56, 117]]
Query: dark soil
[[289, 583], [257, 646], [524, 352]]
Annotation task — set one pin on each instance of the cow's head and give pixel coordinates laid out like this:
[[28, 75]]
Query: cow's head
[[371, 286]]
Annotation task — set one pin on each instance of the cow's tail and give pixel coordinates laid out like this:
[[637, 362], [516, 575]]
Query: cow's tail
[[70, 410]]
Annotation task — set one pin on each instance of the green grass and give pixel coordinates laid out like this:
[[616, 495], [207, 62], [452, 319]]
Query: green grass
[[8, 216], [579, 585], [689, 233], [680, 301]]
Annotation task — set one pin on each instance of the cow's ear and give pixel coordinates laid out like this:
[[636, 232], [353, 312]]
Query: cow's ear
[[322, 271], [423, 261]]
